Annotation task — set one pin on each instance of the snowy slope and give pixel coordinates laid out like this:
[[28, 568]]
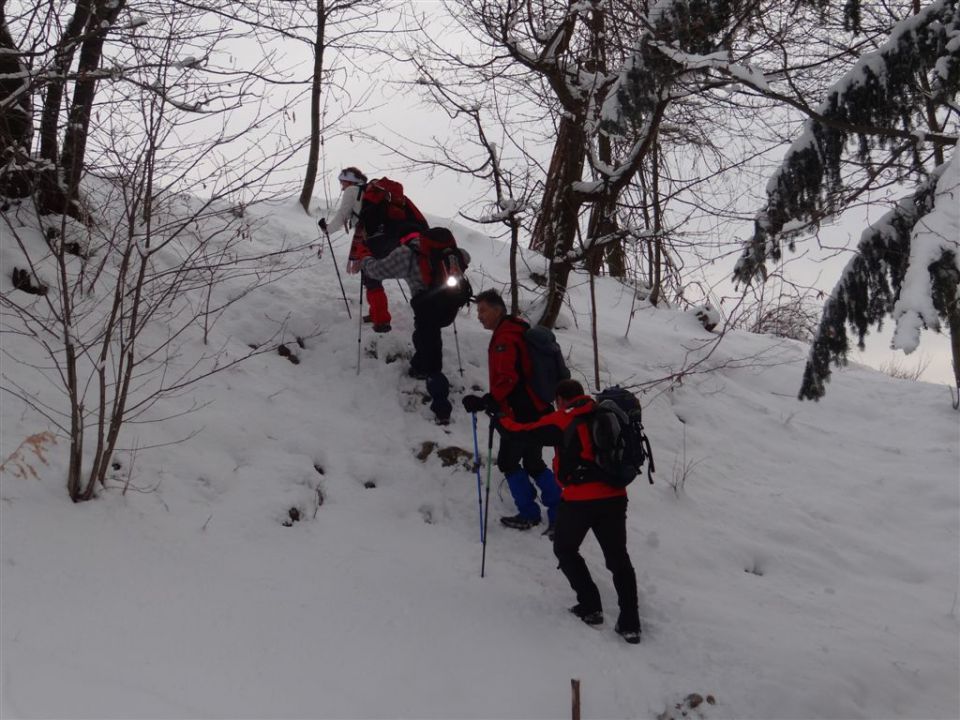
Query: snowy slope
[[807, 568]]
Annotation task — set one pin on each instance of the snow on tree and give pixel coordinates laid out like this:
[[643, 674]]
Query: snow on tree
[[926, 291], [894, 112], [871, 282]]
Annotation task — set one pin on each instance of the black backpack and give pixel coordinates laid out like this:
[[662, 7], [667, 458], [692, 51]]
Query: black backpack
[[442, 267], [546, 359], [620, 445]]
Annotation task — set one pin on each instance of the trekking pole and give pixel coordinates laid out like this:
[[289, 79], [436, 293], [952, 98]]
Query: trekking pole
[[402, 291], [456, 341], [476, 467], [359, 324], [323, 226], [486, 508]]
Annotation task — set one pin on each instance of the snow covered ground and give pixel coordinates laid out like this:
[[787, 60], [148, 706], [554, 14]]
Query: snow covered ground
[[807, 567]]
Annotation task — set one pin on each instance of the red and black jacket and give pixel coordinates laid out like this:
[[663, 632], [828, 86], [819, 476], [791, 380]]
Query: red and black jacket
[[510, 365], [573, 461]]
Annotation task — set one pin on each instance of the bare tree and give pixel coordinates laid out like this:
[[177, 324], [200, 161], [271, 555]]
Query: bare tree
[[16, 116], [346, 29], [615, 94], [126, 293]]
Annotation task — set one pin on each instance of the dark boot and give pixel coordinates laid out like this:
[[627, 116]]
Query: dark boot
[[589, 616], [631, 635], [519, 522]]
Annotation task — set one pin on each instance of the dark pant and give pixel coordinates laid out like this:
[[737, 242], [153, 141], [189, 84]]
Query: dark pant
[[428, 359], [607, 519], [513, 452]]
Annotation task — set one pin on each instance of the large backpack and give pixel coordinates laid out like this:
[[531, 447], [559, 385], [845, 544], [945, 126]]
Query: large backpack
[[620, 445], [442, 266], [546, 360], [385, 210]]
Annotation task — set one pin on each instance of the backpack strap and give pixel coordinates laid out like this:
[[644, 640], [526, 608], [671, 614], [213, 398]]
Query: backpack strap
[[578, 427]]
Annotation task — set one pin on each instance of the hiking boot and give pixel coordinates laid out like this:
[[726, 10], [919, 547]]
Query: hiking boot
[[550, 531], [418, 374], [631, 636], [590, 617], [439, 420], [382, 327], [519, 522], [367, 319]]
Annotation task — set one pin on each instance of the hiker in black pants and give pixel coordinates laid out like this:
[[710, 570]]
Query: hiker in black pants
[[512, 395], [430, 314], [587, 504]]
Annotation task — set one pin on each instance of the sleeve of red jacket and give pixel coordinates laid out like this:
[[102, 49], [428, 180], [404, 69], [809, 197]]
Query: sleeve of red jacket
[[544, 431], [503, 371]]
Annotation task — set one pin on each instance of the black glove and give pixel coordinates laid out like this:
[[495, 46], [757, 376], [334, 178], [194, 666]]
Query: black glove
[[322, 222], [473, 403], [481, 403]]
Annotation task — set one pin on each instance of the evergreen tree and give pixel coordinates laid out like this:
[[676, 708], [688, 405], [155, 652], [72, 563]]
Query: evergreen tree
[[894, 113]]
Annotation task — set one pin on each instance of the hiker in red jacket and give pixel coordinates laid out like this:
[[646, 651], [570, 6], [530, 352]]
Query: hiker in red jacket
[[512, 396], [587, 504]]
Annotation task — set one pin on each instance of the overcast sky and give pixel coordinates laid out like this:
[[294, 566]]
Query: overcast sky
[[398, 116]]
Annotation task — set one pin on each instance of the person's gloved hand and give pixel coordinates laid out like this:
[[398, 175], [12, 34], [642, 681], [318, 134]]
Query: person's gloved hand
[[481, 403], [474, 403], [322, 222], [358, 253]]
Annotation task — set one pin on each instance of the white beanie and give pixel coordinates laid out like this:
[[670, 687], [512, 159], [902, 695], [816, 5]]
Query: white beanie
[[352, 175]]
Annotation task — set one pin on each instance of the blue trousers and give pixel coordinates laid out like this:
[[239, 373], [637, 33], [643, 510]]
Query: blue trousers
[[525, 494]]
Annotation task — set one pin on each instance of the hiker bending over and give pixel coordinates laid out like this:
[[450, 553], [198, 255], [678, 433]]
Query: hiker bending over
[[511, 395], [435, 304], [379, 214], [587, 504]]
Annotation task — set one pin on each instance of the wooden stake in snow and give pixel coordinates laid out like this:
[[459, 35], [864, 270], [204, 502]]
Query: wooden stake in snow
[[575, 692]]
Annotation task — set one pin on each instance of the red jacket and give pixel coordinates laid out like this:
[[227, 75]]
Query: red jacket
[[574, 450], [509, 363]]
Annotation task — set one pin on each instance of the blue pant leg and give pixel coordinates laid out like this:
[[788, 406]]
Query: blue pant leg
[[524, 494], [549, 493]]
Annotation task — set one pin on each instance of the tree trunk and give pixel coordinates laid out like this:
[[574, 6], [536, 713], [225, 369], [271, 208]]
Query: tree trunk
[[566, 167], [952, 298], [313, 156], [51, 198], [16, 122], [514, 245], [603, 216], [593, 329], [84, 90], [603, 223], [656, 265], [556, 227]]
